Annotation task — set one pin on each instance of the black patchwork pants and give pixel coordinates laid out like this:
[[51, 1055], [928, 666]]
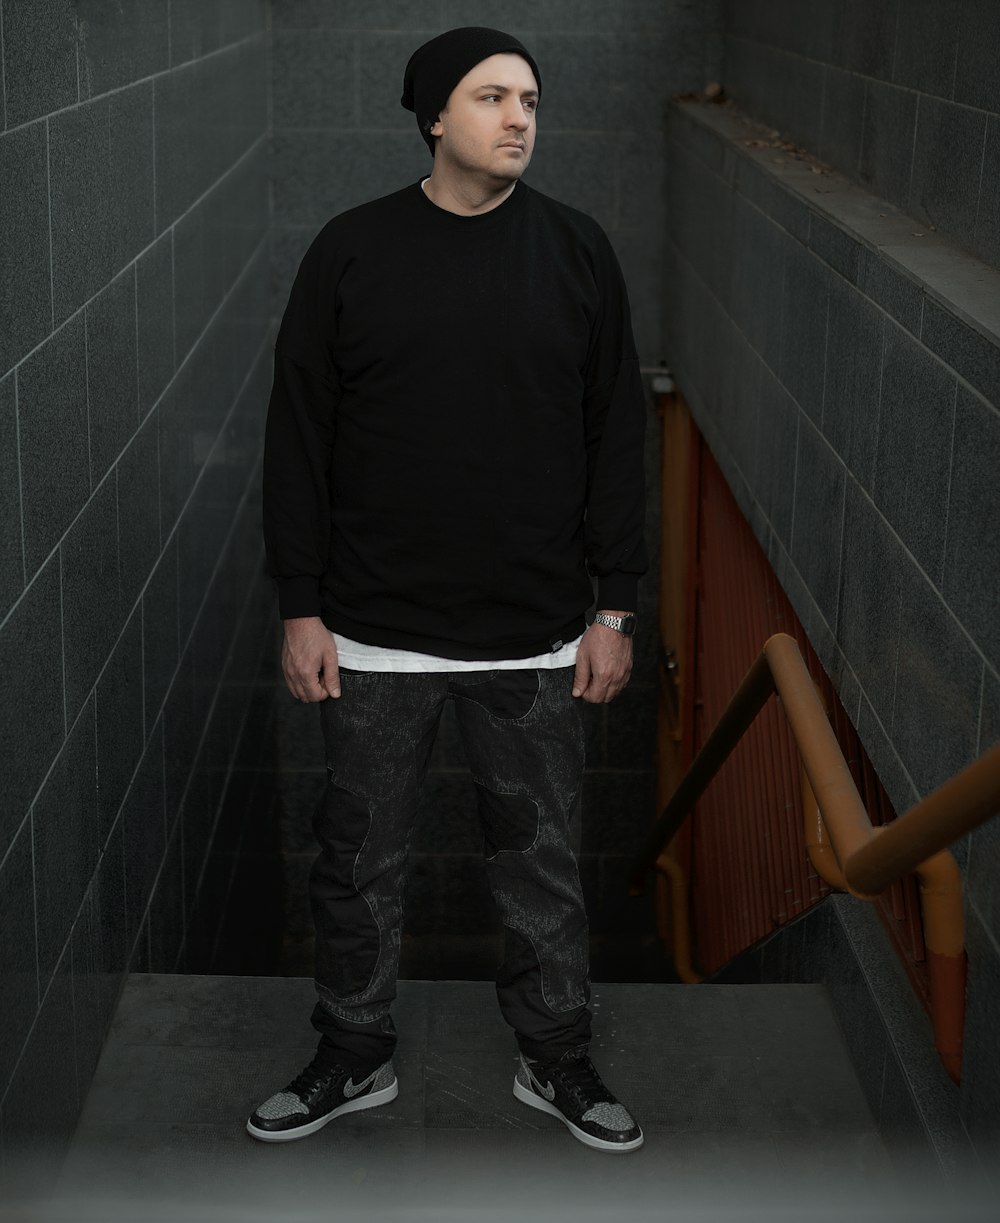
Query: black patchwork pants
[[523, 737]]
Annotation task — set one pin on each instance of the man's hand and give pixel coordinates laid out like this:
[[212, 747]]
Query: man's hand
[[603, 663], [309, 660]]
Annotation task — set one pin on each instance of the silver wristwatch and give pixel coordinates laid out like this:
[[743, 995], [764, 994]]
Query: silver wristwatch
[[621, 624]]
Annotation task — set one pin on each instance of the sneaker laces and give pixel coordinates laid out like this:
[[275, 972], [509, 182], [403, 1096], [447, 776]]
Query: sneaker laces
[[315, 1075], [577, 1074]]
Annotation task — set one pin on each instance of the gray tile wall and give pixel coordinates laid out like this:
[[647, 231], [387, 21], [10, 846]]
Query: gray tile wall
[[340, 138], [134, 313], [903, 95], [872, 483]]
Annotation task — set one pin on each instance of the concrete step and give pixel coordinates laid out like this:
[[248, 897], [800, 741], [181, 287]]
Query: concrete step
[[738, 1088]]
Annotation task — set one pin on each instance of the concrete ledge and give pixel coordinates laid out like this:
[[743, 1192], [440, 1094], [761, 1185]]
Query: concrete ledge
[[845, 225]]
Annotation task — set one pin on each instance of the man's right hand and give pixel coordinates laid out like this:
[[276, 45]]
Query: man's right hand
[[309, 660]]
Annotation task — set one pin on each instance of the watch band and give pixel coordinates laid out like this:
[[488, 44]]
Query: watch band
[[621, 624]]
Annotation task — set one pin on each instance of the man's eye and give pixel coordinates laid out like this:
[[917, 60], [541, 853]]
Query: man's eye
[[530, 105]]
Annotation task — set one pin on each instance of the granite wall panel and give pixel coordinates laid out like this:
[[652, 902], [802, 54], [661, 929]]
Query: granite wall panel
[[842, 118], [926, 46], [112, 372], [11, 541], [121, 45], [853, 379], [913, 448], [120, 730], [65, 830], [18, 953], [25, 260], [977, 73], [32, 718], [52, 439], [102, 445], [972, 555], [908, 92], [130, 169], [91, 594], [40, 59], [80, 202], [947, 165]]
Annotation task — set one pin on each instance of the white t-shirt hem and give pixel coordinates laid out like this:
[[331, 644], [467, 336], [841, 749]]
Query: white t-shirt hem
[[356, 656]]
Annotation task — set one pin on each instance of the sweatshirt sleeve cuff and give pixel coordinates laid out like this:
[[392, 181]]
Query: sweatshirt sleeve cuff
[[618, 592], [297, 597]]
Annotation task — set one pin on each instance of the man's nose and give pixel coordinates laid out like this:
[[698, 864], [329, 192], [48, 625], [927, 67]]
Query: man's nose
[[517, 117]]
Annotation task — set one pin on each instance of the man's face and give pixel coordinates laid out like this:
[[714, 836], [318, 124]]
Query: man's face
[[488, 127]]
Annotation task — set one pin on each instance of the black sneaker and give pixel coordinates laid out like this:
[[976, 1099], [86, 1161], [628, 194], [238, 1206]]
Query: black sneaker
[[315, 1097], [571, 1089]]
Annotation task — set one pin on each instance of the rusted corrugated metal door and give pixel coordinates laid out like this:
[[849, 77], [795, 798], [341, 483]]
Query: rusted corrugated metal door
[[745, 847]]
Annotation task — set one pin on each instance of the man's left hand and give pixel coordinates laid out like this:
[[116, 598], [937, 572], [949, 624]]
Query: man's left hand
[[603, 663]]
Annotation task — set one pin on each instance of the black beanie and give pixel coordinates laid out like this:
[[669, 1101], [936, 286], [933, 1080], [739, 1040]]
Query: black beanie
[[435, 69]]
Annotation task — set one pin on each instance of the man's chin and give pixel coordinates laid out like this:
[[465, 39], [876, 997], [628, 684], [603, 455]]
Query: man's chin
[[512, 170]]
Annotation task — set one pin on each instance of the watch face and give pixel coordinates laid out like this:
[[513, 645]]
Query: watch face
[[628, 625]]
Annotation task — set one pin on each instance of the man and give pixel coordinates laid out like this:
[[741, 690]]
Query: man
[[454, 437]]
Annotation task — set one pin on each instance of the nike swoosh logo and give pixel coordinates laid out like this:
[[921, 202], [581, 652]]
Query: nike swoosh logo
[[548, 1092], [350, 1090]]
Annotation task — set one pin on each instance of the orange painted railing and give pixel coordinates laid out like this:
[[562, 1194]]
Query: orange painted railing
[[847, 851]]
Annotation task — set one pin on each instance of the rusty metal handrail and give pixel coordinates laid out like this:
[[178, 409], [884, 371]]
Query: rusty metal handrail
[[847, 850]]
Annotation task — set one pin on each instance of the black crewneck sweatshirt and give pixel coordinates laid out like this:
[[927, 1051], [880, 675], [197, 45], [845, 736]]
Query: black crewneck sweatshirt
[[454, 438]]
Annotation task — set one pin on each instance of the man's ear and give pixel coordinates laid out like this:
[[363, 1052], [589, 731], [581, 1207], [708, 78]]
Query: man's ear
[[436, 128]]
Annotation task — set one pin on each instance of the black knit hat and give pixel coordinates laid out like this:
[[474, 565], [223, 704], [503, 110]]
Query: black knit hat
[[435, 69]]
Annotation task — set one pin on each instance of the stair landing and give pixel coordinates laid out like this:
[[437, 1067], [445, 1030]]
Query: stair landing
[[745, 1094]]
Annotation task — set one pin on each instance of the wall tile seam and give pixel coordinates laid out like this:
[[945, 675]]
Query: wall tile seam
[[861, 76], [913, 150], [982, 170], [984, 919], [269, 71], [86, 394], [3, 104], [250, 152], [108, 93], [947, 496], [924, 288], [156, 228], [138, 363], [48, 198], [20, 486]]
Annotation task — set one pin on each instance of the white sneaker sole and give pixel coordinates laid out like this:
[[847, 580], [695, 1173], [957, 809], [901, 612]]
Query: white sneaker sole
[[349, 1106], [527, 1096]]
